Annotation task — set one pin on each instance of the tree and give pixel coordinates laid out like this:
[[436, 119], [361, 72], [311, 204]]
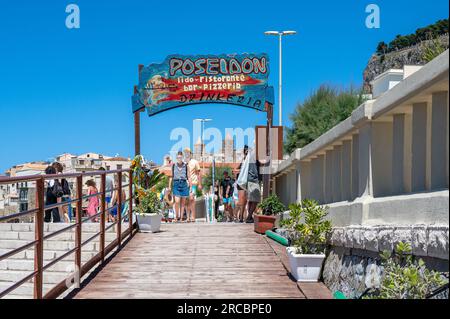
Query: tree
[[321, 111], [382, 47], [207, 179]]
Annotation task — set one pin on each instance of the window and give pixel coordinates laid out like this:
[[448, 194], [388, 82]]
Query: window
[[119, 166], [23, 207], [108, 168], [81, 162]]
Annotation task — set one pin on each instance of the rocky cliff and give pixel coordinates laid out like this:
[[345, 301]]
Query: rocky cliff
[[413, 55]]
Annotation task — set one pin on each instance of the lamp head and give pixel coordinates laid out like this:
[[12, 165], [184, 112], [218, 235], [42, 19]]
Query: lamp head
[[289, 32]]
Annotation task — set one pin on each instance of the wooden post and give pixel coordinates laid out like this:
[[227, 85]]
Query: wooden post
[[130, 210], [268, 164], [39, 237], [78, 229], [103, 218], [119, 210], [137, 129]]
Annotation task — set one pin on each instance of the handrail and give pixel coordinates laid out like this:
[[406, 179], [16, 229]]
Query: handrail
[[39, 211]]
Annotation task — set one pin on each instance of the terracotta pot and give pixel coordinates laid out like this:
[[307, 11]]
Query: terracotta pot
[[264, 223]]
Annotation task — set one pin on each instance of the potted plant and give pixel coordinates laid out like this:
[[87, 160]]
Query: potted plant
[[308, 232], [148, 211], [269, 210]]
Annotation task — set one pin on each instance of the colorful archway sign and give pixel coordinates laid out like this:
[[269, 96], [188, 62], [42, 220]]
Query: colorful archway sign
[[185, 80]]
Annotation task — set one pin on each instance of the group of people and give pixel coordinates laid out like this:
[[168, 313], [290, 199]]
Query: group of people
[[59, 191], [239, 195]]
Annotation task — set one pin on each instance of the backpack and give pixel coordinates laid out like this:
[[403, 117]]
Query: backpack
[[65, 187], [57, 189]]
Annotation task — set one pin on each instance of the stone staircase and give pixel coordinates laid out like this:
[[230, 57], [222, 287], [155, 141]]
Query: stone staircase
[[19, 266]]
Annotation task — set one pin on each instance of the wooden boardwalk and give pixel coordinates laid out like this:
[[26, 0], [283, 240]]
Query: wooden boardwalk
[[192, 261]]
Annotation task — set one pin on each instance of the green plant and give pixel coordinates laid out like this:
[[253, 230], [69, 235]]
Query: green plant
[[207, 179], [402, 41], [163, 183], [271, 206], [432, 49], [145, 178], [405, 277], [307, 227], [199, 193], [322, 110], [149, 203]]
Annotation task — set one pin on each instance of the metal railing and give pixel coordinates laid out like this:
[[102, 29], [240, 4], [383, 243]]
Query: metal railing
[[38, 243]]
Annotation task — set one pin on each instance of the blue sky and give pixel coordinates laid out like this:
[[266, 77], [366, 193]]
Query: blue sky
[[67, 90]]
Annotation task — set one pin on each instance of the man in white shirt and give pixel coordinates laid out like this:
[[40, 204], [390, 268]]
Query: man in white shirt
[[194, 176]]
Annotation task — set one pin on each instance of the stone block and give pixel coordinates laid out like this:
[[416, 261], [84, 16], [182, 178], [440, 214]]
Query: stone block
[[348, 234], [402, 234], [9, 235], [419, 240], [358, 237], [438, 242], [338, 237], [21, 227], [5, 227], [385, 238], [370, 239]]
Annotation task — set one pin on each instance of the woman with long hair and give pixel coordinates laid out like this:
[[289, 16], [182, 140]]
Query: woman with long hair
[[92, 209], [180, 185]]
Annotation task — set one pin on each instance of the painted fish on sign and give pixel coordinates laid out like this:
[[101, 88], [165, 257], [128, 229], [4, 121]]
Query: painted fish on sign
[[185, 80]]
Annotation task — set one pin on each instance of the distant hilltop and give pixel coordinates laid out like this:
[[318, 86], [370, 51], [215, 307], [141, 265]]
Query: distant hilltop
[[413, 49]]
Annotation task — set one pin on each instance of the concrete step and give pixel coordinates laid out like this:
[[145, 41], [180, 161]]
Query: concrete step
[[14, 276], [23, 292], [28, 265], [67, 236], [48, 245], [48, 227], [28, 255]]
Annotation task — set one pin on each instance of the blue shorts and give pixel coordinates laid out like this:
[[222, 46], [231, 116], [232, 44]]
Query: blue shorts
[[180, 188], [227, 201], [194, 189], [108, 199]]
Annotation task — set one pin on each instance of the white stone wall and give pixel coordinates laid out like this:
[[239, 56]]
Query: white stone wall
[[425, 240], [387, 163]]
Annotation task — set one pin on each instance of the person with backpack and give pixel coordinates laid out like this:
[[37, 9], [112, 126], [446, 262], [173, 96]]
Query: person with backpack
[[66, 209], [180, 185], [53, 192]]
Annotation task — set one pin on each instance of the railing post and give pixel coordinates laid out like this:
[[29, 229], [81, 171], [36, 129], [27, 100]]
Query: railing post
[[119, 210], [78, 230], [39, 236], [103, 218], [130, 211]]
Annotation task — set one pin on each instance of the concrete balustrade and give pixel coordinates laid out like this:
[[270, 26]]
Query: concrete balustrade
[[387, 163]]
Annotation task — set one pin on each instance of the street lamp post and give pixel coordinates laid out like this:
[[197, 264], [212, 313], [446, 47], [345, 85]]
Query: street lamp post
[[202, 138], [280, 35], [202, 155]]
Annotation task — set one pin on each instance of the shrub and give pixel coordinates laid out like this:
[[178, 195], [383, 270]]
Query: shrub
[[307, 227], [149, 202], [404, 277], [321, 111], [272, 206]]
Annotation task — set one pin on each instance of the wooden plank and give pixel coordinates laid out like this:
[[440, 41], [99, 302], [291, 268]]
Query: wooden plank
[[226, 261]]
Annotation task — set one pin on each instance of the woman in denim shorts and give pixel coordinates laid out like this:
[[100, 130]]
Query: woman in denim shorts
[[180, 185]]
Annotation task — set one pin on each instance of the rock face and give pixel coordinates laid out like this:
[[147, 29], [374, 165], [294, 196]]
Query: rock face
[[379, 64], [353, 261]]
